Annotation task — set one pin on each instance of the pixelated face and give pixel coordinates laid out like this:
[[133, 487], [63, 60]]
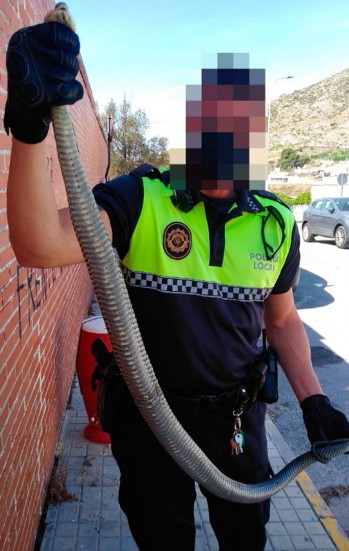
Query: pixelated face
[[225, 129]]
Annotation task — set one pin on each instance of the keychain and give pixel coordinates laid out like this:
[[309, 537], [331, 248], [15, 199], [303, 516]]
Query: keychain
[[238, 439]]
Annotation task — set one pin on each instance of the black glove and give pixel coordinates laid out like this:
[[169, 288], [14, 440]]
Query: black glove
[[111, 386], [42, 65], [106, 367], [322, 421]]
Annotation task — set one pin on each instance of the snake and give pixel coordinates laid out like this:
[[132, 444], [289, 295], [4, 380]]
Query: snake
[[104, 267]]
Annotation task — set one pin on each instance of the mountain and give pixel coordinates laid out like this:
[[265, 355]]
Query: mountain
[[312, 120]]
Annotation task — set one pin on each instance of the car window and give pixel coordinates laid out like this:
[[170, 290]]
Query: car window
[[318, 205], [328, 204], [343, 204]]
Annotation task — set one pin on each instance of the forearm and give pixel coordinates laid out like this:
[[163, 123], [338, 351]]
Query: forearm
[[293, 352], [287, 336], [39, 234]]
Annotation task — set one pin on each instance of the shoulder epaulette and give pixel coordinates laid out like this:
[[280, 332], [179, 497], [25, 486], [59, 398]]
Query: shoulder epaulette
[[151, 172], [269, 195]]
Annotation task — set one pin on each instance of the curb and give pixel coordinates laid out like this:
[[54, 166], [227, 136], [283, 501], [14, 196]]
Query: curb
[[318, 505]]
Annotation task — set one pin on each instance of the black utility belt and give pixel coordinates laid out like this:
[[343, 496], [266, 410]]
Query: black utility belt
[[260, 385], [230, 401]]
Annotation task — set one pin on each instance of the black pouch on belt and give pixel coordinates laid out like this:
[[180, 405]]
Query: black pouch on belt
[[269, 391], [111, 385]]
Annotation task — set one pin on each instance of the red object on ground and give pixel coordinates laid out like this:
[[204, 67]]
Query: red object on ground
[[92, 328]]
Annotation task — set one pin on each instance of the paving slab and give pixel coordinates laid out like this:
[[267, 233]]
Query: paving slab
[[92, 519]]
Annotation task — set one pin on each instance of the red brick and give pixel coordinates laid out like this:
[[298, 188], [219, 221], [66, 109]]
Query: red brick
[[3, 186], [11, 326], [4, 239], [3, 220], [5, 313], [8, 259], [5, 142], [4, 276], [64, 296], [9, 291], [7, 12], [25, 18]]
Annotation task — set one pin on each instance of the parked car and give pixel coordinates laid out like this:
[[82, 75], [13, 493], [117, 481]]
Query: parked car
[[327, 217]]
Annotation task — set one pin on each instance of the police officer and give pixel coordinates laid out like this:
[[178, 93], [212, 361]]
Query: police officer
[[206, 264]]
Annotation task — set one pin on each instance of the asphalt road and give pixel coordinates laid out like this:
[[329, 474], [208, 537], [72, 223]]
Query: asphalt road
[[322, 299]]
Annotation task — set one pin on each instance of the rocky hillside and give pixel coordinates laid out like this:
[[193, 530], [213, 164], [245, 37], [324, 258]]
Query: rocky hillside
[[313, 119]]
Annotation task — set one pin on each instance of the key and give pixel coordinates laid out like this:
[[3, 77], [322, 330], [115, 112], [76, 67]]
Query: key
[[238, 439]]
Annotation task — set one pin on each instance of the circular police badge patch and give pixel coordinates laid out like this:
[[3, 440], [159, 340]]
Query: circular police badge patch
[[177, 240]]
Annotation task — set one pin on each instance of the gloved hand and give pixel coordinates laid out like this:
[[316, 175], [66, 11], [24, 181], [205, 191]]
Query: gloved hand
[[322, 421], [111, 386], [42, 65], [106, 367]]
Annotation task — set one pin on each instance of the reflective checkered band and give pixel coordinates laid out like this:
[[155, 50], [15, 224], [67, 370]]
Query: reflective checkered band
[[194, 287]]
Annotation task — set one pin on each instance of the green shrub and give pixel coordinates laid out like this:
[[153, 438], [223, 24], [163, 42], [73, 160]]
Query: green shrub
[[284, 198], [302, 199]]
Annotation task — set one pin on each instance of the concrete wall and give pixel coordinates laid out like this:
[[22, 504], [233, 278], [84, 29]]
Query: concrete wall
[[40, 318], [329, 190]]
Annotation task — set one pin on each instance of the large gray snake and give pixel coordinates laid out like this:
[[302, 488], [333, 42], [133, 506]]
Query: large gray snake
[[110, 289]]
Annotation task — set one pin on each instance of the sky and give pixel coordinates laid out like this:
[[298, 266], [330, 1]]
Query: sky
[[149, 50]]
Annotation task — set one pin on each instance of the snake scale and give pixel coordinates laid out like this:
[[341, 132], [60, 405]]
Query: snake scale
[[110, 289]]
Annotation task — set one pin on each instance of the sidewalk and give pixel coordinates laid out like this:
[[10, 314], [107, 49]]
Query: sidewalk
[[300, 519]]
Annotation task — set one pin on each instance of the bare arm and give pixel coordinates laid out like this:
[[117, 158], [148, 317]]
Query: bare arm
[[41, 235], [287, 336]]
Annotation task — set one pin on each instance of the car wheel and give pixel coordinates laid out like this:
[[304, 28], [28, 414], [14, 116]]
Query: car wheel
[[341, 237], [306, 233]]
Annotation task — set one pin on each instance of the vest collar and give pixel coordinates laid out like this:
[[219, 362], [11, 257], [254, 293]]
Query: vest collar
[[248, 203]]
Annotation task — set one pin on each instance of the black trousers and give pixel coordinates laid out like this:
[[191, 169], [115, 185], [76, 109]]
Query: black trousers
[[158, 497]]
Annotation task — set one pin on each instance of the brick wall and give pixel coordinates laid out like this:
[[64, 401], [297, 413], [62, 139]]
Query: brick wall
[[40, 318]]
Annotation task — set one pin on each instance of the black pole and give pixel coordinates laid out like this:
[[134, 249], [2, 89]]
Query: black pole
[[110, 139]]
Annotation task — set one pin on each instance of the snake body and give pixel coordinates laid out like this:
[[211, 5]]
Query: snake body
[[109, 286]]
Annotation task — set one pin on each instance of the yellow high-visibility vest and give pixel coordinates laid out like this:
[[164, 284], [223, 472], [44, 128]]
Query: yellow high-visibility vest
[[170, 249]]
